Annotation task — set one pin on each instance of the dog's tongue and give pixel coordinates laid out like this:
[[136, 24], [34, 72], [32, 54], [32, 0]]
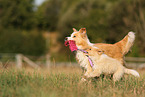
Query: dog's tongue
[[71, 44]]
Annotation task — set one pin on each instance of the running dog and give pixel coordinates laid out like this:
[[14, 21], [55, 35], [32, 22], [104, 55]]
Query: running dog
[[103, 64], [115, 51]]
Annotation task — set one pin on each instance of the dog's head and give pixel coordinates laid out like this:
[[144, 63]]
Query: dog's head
[[80, 38], [94, 51]]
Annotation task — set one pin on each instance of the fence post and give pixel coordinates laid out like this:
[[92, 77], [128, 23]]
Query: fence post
[[48, 62], [19, 61]]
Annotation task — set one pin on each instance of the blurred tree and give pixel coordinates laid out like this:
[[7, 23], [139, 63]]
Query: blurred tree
[[63, 15], [17, 14], [18, 41], [121, 19], [47, 15], [33, 43], [105, 20], [17, 24], [139, 14], [84, 13], [128, 15]]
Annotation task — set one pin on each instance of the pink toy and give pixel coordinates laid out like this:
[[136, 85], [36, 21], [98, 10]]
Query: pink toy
[[71, 44], [73, 47]]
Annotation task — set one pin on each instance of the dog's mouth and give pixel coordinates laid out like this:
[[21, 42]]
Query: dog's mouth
[[69, 42], [71, 45], [66, 43]]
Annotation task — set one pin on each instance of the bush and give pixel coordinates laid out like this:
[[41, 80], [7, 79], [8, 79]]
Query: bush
[[21, 41]]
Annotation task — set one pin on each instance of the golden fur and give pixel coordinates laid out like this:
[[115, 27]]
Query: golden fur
[[104, 64], [115, 51]]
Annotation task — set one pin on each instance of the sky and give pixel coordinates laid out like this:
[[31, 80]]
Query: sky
[[39, 2]]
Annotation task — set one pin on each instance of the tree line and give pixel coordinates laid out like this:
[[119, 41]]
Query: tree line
[[22, 23]]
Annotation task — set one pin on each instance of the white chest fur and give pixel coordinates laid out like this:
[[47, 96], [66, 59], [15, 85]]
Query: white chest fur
[[82, 59]]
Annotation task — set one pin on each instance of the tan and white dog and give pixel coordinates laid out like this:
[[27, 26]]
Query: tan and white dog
[[116, 51], [103, 64]]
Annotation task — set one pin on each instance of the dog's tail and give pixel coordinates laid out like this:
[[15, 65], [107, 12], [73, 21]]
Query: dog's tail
[[133, 72], [126, 43]]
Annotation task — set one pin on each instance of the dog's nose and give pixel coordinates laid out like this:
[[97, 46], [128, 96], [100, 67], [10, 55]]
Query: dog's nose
[[66, 38]]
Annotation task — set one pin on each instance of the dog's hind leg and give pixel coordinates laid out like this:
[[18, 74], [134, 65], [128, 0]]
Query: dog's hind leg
[[118, 74]]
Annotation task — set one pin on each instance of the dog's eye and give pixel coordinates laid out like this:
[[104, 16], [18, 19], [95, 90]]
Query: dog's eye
[[74, 36], [99, 51], [89, 49]]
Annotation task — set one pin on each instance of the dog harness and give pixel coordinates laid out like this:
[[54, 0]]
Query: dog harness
[[90, 61], [73, 47]]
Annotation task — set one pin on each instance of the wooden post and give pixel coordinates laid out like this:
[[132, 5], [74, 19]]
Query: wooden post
[[19, 61], [48, 62]]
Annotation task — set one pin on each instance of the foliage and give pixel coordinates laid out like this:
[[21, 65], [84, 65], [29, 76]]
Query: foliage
[[106, 21], [21, 41], [17, 28], [128, 16], [17, 14], [89, 14], [47, 15]]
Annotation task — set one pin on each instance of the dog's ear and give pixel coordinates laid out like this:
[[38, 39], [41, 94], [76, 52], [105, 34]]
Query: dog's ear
[[82, 30], [74, 30]]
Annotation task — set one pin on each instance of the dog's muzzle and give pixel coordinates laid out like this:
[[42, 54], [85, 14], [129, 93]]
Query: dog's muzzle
[[66, 38]]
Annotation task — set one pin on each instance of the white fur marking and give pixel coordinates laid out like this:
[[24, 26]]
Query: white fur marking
[[131, 37], [83, 59]]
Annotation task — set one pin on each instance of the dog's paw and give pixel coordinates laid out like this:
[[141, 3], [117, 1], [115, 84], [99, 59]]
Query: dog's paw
[[91, 75], [83, 80], [86, 74]]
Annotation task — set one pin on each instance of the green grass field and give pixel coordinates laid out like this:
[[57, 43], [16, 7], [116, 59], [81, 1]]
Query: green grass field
[[65, 82]]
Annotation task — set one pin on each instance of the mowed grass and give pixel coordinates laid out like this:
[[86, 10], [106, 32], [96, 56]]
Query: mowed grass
[[65, 82]]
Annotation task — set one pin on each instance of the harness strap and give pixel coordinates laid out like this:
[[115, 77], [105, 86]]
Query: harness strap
[[90, 61], [83, 51]]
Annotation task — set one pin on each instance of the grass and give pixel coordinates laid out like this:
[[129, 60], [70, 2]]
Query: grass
[[65, 82]]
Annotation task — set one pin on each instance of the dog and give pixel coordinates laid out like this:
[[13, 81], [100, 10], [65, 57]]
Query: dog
[[103, 64], [116, 51]]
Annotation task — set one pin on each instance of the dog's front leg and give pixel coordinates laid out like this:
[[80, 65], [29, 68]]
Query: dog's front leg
[[95, 73], [86, 73], [89, 70]]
